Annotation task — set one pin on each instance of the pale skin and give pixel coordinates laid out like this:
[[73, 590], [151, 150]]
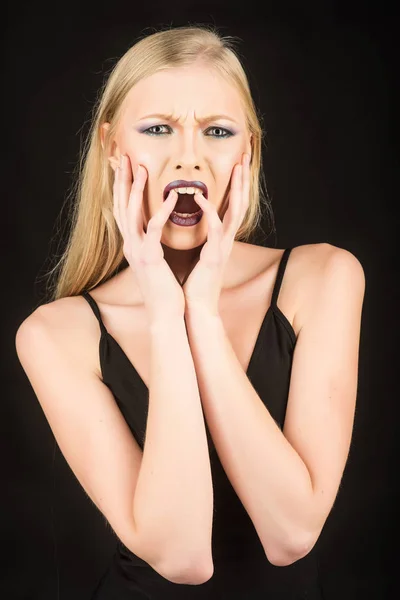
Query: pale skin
[[288, 510], [287, 480], [183, 148]]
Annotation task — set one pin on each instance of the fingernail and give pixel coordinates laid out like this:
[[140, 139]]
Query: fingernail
[[121, 161]]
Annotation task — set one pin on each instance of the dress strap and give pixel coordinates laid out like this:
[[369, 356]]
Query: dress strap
[[96, 310], [279, 277]]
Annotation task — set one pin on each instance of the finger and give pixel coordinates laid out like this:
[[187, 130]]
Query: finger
[[116, 207], [152, 241], [123, 191], [157, 221], [209, 210], [134, 211], [245, 187], [212, 250], [232, 215]]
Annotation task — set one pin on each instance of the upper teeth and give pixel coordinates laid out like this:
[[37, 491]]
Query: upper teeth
[[188, 190]]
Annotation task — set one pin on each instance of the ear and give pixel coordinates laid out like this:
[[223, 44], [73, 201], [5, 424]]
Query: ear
[[113, 160]]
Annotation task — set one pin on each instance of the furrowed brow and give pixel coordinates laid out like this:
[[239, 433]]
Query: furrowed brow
[[202, 120]]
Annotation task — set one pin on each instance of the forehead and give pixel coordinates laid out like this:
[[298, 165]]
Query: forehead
[[185, 91]]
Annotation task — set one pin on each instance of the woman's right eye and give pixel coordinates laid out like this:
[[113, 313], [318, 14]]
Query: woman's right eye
[[149, 132]]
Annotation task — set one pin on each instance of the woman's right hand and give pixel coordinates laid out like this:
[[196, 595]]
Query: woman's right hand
[[162, 294]]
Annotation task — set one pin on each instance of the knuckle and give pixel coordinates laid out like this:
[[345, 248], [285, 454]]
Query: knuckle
[[153, 223], [123, 176], [133, 193], [215, 225]]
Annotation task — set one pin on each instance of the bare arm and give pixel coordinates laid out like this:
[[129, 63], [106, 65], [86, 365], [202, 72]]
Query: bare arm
[[288, 480], [174, 497]]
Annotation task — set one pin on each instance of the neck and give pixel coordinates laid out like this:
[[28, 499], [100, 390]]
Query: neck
[[181, 262]]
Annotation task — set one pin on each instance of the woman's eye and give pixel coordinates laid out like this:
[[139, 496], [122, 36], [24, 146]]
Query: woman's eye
[[221, 131], [154, 132], [226, 134]]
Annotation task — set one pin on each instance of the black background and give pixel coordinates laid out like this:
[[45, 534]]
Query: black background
[[323, 76]]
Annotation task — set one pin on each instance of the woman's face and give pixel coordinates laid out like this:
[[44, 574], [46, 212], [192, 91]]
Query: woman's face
[[200, 135]]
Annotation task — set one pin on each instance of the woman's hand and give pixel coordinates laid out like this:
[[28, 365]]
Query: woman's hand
[[203, 286], [162, 293]]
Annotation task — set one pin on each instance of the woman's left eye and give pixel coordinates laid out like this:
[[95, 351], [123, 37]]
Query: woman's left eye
[[226, 134], [150, 131]]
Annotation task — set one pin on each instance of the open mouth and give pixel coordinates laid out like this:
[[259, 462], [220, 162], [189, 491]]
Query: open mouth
[[186, 187], [186, 204], [186, 211], [186, 219]]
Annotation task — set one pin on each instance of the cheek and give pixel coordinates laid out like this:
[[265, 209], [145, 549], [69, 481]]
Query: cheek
[[225, 173], [225, 160], [142, 151], [142, 157]]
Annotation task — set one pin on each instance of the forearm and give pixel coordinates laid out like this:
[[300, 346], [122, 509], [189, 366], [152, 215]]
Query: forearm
[[173, 503], [266, 472]]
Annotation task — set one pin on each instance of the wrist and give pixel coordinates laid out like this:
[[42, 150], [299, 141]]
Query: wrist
[[170, 324], [200, 311]]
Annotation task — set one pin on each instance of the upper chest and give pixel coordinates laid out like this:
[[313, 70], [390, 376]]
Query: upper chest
[[242, 309]]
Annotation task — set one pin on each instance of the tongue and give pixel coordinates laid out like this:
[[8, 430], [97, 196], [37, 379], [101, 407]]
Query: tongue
[[186, 204]]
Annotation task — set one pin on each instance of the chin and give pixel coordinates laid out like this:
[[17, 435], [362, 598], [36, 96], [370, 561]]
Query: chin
[[178, 243], [181, 238]]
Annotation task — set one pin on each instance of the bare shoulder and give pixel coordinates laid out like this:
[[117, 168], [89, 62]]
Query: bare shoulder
[[312, 265], [71, 324], [314, 261], [305, 261]]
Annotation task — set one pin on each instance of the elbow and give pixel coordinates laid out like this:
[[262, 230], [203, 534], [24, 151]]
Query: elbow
[[283, 557], [194, 572]]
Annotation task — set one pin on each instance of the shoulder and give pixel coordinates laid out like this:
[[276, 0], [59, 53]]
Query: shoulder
[[324, 268], [305, 261], [67, 322], [319, 262], [312, 259]]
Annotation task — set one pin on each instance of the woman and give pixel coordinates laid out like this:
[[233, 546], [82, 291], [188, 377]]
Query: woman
[[208, 422]]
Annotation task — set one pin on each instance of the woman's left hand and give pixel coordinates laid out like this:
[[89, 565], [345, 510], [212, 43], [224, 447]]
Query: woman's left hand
[[203, 286]]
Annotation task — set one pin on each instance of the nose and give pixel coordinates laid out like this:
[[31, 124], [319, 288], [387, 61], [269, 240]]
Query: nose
[[188, 152]]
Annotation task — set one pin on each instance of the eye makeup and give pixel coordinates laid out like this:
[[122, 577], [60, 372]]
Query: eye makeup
[[227, 133]]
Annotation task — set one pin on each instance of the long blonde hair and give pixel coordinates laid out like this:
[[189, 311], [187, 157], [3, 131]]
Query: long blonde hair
[[94, 249]]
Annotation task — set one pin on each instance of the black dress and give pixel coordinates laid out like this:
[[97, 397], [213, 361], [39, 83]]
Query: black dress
[[241, 569]]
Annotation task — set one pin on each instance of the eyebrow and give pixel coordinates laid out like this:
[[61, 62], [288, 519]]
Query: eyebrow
[[203, 120]]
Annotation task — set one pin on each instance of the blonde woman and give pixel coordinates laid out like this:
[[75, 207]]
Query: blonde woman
[[201, 388]]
